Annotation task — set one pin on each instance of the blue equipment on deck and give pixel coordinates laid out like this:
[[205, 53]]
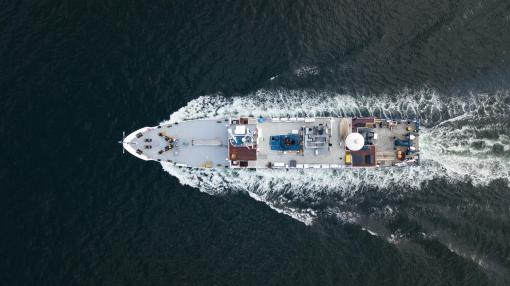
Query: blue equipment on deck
[[404, 143], [289, 142], [237, 140], [240, 140]]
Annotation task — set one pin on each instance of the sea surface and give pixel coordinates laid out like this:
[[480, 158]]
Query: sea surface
[[75, 210]]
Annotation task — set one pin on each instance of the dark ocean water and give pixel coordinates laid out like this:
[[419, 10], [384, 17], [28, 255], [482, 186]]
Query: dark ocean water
[[75, 211]]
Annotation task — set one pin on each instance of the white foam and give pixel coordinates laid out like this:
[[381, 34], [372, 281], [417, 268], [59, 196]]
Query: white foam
[[307, 70]]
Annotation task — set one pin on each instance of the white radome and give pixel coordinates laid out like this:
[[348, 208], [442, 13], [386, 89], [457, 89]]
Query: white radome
[[355, 141]]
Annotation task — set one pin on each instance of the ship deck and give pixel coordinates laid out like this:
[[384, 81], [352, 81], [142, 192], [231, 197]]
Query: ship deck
[[383, 148], [332, 154], [198, 143], [212, 143]]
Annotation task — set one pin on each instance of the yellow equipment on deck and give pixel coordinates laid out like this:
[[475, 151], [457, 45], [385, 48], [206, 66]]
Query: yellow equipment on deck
[[347, 157]]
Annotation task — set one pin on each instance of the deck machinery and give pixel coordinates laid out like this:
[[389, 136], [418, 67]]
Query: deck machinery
[[250, 142]]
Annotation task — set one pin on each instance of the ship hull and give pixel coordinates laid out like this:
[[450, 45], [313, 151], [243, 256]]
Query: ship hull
[[260, 143]]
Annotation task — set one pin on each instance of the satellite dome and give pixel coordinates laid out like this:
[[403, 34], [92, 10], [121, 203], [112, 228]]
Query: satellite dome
[[354, 141]]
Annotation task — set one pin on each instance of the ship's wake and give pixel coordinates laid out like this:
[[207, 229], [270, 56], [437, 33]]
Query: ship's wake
[[464, 140]]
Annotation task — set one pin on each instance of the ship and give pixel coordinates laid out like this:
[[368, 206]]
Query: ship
[[279, 143]]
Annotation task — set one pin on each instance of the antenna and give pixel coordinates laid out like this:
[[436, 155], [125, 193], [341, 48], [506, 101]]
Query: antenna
[[122, 141]]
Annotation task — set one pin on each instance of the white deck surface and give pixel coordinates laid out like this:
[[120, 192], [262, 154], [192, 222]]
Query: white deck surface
[[211, 135]]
